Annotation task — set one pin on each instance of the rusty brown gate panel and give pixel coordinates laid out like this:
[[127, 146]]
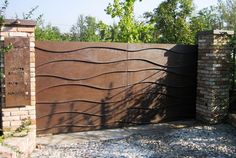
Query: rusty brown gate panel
[[89, 86]]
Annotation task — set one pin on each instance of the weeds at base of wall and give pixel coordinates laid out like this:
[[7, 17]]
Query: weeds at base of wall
[[21, 131]]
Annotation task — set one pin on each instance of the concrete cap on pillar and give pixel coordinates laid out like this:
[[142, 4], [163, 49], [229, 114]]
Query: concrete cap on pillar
[[216, 32], [19, 22]]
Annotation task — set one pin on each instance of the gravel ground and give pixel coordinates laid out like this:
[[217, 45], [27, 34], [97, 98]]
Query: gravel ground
[[194, 141]]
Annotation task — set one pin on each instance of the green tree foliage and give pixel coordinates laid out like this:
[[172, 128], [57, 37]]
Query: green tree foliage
[[3, 49], [171, 21], [78, 30], [128, 28], [146, 33], [114, 30], [2, 12], [207, 19], [124, 10], [227, 11], [85, 29], [104, 31], [222, 16], [48, 32]]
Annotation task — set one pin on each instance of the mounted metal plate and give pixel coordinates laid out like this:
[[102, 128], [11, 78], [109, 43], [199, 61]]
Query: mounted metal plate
[[17, 72]]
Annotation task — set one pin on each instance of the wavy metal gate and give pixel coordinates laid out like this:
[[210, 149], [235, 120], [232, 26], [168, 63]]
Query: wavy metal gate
[[88, 86]]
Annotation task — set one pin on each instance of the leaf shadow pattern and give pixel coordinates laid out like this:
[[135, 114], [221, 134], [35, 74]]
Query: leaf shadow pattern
[[170, 95], [165, 91]]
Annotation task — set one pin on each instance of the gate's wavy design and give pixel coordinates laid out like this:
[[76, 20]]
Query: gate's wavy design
[[110, 48], [163, 86]]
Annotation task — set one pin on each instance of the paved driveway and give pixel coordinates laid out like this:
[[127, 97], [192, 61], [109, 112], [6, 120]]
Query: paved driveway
[[176, 139]]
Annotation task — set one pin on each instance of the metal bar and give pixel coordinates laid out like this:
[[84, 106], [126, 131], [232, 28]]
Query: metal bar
[[233, 76]]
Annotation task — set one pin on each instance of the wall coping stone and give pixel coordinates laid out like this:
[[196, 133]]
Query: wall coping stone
[[216, 32], [19, 22]]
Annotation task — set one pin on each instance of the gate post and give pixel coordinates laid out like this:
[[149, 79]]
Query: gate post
[[18, 78], [213, 76]]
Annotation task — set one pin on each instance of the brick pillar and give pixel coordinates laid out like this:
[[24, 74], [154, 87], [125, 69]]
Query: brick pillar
[[213, 76], [18, 81]]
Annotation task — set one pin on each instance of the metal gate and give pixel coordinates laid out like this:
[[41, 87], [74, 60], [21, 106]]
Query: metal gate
[[89, 86], [232, 107]]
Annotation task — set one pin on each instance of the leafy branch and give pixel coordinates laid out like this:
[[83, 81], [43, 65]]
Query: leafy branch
[[30, 13]]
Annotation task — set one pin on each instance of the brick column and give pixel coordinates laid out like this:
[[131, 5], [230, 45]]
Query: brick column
[[12, 115], [213, 75]]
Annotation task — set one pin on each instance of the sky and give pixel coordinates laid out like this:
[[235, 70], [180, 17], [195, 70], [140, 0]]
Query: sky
[[64, 13]]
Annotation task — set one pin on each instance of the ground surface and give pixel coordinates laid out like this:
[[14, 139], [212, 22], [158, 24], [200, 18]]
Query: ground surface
[[176, 139]]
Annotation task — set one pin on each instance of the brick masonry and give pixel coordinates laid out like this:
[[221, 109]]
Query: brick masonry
[[12, 117], [213, 76]]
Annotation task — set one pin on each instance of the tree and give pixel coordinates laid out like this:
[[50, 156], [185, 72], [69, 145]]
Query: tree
[[227, 10], [78, 30], [146, 32], [171, 21], [85, 29], [124, 10], [114, 30], [104, 31], [91, 29], [206, 19], [29, 14], [48, 33], [6, 48], [2, 12]]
